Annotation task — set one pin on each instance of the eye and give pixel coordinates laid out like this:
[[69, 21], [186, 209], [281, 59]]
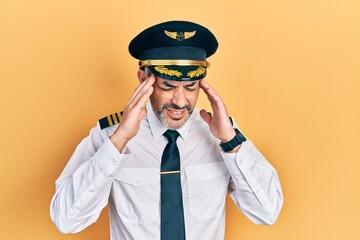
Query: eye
[[165, 86], [190, 87], [166, 89]]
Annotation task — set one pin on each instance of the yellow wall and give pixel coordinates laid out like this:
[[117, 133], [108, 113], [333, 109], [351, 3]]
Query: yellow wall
[[289, 72]]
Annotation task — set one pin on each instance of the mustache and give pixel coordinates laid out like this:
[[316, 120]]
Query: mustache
[[176, 107]]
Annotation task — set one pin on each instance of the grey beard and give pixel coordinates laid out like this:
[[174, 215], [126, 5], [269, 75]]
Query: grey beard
[[160, 115]]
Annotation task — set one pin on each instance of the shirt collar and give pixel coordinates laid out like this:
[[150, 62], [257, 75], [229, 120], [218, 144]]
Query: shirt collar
[[158, 129]]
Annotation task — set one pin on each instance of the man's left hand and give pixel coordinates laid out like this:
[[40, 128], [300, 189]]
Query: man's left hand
[[219, 123]]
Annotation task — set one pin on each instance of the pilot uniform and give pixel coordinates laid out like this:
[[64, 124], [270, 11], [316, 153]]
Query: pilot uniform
[[129, 181]]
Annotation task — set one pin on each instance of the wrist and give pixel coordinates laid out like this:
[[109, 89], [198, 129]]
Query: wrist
[[233, 144], [235, 149], [227, 138], [118, 141]]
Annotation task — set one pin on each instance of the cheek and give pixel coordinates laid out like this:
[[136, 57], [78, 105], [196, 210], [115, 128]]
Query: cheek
[[192, 98], [158, 99]]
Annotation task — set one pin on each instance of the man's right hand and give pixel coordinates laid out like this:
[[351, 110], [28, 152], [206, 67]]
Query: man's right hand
[[133, 114]]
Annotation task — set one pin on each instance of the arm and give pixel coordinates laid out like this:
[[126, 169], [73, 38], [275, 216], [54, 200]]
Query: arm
[[83, 188], [254, 186]]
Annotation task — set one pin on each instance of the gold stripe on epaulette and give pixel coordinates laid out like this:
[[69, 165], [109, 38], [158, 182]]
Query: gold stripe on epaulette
[[110, 120], [118, 117], [114, 118]]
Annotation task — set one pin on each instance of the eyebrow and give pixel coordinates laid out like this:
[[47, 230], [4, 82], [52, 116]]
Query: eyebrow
[[167, 84], [190, 84]]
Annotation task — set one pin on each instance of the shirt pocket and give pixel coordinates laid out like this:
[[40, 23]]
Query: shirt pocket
[[207, 184], [137, 195]]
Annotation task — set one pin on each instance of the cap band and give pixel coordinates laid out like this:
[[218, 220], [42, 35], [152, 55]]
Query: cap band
[[173, 62]]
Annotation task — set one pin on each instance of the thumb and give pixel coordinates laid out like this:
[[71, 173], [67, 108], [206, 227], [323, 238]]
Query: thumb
[[205, 116], [142, 114]]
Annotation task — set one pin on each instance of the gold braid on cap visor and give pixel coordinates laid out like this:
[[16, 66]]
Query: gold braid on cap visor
[[173, 62]]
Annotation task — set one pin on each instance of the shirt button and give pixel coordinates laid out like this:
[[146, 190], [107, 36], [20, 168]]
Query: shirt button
[[92, 190], [138, 181], [113, 162]]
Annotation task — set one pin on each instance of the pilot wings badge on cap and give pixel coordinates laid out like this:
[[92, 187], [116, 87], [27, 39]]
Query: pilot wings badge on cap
[[180, 35]]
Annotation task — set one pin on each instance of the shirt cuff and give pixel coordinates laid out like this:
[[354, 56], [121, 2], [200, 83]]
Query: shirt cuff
[[240, 161], [109, 159]]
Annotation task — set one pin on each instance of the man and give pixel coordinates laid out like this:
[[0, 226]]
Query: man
[[164, 167]]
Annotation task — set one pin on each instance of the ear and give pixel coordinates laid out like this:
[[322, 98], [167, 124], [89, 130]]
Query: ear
[[141, 75]]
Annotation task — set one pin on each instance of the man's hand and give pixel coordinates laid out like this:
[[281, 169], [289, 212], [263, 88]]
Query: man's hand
[[133, 114], [219, 123]]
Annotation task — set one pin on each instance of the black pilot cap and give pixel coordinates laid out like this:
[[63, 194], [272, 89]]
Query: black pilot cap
[[175, 50]]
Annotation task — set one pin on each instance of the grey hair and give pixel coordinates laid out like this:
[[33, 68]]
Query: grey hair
[[148, 73]]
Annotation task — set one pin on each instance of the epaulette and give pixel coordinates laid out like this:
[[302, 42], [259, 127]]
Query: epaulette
[[230, 118], [110, 120]]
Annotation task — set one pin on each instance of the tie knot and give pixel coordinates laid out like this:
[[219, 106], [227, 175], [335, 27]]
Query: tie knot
[[171, 135]]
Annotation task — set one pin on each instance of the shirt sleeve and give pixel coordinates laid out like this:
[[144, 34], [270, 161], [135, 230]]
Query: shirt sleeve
[[254, 187], [83, 188]]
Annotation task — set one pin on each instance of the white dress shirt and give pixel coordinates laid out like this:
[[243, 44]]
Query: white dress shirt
[[98, 174]]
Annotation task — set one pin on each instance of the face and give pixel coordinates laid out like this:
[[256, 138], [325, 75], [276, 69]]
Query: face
[[173, 101]]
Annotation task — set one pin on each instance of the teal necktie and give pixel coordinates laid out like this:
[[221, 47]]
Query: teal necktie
[[172, 212]]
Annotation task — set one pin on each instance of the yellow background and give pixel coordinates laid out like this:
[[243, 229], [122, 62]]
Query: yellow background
[[288, 71]]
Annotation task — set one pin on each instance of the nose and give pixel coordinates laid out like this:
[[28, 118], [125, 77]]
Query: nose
[[179, 98]]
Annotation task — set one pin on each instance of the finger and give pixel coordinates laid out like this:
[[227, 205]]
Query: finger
[[217, 104], [213, 97], [149, 81], [141, 90], [142, 114], [205, 116], [142, 99], [209, 91], [206, 86], [145, 84]]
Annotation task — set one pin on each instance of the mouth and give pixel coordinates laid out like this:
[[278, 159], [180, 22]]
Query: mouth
[[176, 114]]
